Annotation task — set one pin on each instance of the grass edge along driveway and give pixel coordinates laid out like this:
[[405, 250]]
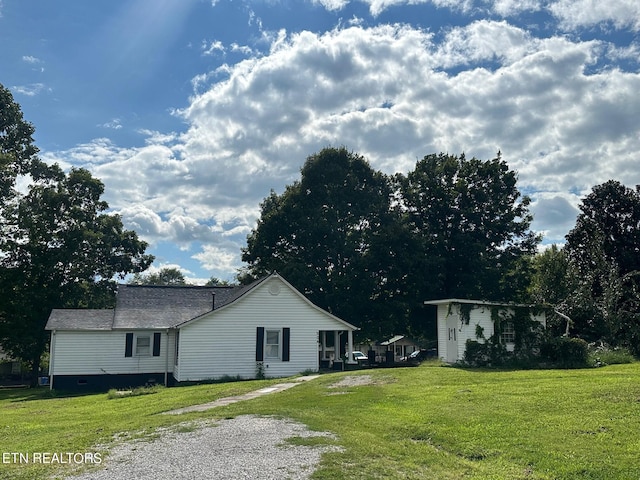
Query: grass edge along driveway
[[427, 422]]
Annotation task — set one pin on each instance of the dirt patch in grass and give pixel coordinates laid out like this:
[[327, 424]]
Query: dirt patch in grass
[[353, 381]]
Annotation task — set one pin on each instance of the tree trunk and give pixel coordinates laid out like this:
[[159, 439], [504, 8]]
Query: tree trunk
[[35, 371]]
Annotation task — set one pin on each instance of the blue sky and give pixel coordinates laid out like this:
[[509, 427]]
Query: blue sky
[[191, 111]]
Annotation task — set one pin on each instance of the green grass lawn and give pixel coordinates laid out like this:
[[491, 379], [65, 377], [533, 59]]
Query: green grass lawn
[[428, 422]]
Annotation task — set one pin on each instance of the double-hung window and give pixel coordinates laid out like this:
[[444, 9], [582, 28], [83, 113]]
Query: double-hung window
[[143, 345], [508, 333], [272, 344], [140, 345]]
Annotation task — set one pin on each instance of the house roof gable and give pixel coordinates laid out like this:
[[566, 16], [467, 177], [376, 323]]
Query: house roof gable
[[162, 307], [244, 290]]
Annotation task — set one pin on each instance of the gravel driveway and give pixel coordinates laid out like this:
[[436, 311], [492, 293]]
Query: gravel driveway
[[248, 446]]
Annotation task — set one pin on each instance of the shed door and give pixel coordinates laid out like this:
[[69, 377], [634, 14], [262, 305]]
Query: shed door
[[452, 339]]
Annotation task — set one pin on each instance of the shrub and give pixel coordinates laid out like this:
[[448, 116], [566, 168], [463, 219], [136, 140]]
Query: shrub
[[487, 354], [476, 353], [566, 352], [601, 354]]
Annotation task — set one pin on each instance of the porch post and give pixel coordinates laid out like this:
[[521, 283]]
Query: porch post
[[324, 344], [52, 348], [336, 346], [350, 347]]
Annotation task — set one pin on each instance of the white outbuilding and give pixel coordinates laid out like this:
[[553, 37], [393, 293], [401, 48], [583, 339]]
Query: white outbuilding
[[461, 320]]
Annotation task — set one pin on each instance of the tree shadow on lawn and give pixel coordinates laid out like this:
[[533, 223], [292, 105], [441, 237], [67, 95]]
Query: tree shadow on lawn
[[38, 393]]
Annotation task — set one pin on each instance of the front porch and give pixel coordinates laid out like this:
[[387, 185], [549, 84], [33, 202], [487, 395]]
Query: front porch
[[335, 347]]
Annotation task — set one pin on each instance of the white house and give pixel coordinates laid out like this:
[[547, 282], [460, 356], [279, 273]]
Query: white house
[[171, 334], [461, 320], [399, 345]]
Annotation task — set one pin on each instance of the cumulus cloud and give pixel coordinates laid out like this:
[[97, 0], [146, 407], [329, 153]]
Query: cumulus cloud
[[218, 259], [587, 13], [555, 214], [392, 93], [508, 8], [572, 14], [376, 7], [332, 4]]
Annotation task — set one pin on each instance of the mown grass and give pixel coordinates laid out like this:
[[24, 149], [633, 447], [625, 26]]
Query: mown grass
[[411, 423], [38, 420]]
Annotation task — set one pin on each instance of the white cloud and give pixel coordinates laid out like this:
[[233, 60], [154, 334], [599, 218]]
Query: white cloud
[[484, 41], [214, 258], [113, 124], [31, 59], [572, 14], [392, 93], [376, 7], [30, 90], [587, 13], [508, 8], [211, 48], [554, 214], [332, 5]]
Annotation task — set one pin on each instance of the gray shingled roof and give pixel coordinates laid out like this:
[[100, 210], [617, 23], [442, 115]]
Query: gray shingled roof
[[80, 319], [145, 306], [149, 307]]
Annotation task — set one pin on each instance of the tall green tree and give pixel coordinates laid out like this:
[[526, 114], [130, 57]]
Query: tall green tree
[[603, 250], [58, 245], [18, 154], [472, 226], [165, 276], [552, 284], [330, 234], [216, 282], [62, 251], [17, 151], [549, 283]]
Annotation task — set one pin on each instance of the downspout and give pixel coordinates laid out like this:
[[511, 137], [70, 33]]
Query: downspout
[[350, 347], [166, 361], [51, 350]]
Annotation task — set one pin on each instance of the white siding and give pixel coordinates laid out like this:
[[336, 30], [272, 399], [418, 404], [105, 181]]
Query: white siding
[[224, 341], [442, 331], [102, 352], [479, 315], [450, 313]]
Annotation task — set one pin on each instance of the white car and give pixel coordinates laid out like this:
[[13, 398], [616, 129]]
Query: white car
[[360, 357]]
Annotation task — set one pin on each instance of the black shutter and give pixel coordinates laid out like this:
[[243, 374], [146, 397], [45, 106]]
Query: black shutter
[[128, 345], [260, 344], [286, 336], [156, 344]]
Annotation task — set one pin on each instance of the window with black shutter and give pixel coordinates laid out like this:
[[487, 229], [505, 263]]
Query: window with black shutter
[[286, 344], [259, 344], [156, 344], [128, 345]]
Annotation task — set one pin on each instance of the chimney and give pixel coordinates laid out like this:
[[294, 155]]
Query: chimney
[[213, 300]]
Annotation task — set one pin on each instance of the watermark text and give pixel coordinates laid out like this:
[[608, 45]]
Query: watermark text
[[76, 458]]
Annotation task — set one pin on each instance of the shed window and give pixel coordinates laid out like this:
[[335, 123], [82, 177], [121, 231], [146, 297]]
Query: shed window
[[272, 344], [143, 346], [508, 333]]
